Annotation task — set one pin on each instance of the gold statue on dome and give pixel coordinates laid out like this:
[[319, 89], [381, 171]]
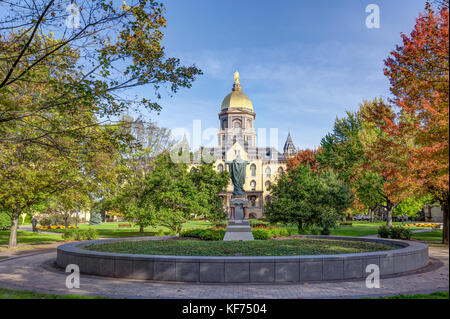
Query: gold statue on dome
[[236, 77]]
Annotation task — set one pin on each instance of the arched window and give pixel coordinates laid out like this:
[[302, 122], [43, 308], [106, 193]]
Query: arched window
[[267, 185], [220, 168], [224, 124], [249, 123], [268, 172], [253, 169], [237, 124], [253, 185], [280, 170]]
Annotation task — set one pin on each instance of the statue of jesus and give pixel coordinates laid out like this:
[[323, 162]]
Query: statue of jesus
[[237, 171]]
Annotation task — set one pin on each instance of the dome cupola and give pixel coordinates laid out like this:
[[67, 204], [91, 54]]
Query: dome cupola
[[237, 99]]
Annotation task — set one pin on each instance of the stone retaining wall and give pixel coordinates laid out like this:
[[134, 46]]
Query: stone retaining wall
[[406, 257]]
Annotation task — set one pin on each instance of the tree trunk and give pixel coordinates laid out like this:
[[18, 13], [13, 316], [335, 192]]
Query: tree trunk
[[390, 208], [299, 226], [14, 227], [371, 214], [141, 228], [444, 206]]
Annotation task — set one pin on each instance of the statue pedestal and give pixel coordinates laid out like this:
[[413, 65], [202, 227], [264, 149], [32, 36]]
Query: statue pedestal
[[238, 225]]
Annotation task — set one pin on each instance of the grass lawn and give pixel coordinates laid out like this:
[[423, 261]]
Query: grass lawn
[[435, 235], [434, 295], [25, 237], [25, 294], [112, 230], [286, 247]]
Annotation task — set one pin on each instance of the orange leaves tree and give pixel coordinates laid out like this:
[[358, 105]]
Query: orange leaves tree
[[305, 157], [412, 146]]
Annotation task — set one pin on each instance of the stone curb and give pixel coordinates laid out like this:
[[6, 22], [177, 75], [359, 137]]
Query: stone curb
[[246, 269]]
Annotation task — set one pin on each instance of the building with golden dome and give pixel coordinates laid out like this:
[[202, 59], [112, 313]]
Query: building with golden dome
[[237, 135]]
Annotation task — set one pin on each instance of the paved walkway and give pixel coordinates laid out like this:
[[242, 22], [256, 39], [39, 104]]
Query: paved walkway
[[38, 273]]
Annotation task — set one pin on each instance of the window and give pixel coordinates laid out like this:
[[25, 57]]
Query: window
[[253, 185], [253, 201], [267, 185], [268, 172], [249, 123], [220, 168], [253, 169], [267, 198], [237, 124], [280, 170], [224, 124]]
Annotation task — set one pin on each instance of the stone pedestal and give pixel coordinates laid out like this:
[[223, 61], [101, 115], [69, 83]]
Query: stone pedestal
[[238, 225]]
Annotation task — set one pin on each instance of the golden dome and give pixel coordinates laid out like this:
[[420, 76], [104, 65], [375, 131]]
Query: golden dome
[[237, 98]]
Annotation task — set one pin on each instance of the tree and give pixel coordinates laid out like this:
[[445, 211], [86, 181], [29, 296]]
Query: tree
[[96, 218], [418, 134], [118, 47], [209, 183], [305, 157], [173, 194], [146, 141], [343, 151], [308, 198]]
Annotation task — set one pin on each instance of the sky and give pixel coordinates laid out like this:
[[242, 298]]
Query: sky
[[302, 63]]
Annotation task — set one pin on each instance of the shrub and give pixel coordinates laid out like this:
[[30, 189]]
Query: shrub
[[325, 231], [80, 234], [258, 223], [399, 232], [395, 232], [346, 223], [384, 231], [313, 230], [5, 221], [261, 233], [205, 234], [279, 232]]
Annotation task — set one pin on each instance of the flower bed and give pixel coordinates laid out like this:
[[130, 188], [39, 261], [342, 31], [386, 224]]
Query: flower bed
[[56, 227], [434, 225]]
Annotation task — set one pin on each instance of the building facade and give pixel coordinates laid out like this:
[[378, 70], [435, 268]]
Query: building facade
[[237, 135]]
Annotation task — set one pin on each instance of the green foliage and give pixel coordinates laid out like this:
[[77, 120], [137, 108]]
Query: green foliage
[[384, 231], [261, 233], [209, 183], [307, 198], [55, 219], [395, 232], [96, 218], [411, 206], [80, 234], [279, 232], [5, 221], [257, 223], [205, 234]]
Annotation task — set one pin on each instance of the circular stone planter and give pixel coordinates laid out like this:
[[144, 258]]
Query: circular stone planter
[[405, 257]]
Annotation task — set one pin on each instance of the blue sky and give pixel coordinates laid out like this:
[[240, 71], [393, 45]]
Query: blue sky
[[302, 63]]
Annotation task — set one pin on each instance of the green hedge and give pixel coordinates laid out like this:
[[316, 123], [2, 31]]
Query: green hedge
[[5, 221], [395, 232], [259, 233]]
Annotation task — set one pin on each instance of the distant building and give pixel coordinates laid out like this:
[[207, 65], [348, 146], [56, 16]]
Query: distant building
[[237, 135]]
